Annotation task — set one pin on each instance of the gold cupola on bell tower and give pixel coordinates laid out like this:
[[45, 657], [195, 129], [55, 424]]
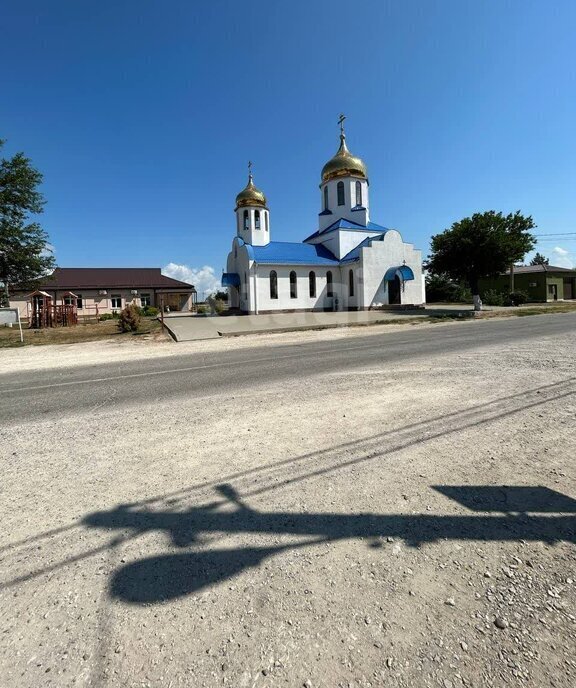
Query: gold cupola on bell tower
[[252, 214]]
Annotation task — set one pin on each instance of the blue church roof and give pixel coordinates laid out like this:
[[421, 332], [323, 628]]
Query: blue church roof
[[347, 224], [291, 253]]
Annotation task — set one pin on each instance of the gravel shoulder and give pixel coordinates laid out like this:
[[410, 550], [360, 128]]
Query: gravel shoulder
[[60, 356], [405, 526]]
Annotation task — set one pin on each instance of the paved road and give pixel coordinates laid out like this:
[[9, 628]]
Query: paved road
[[61, 392]]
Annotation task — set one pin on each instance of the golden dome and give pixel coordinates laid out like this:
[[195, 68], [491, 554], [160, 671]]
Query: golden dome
[[250, 195], [344, 163]]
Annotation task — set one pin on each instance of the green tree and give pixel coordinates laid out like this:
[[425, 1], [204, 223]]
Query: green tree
[[539, 259], [440, 288], [25, 254], [222, 295], [484, 245]]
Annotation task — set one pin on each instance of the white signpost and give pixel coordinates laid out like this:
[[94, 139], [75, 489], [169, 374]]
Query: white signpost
[[11, 316]]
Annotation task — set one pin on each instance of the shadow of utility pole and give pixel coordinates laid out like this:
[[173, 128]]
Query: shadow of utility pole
[[165, 577]]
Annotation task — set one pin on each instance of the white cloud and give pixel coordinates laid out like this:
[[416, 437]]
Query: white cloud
[[562, 257], [204, 279]]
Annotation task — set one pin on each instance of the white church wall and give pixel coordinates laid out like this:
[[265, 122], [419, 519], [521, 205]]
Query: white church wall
[[303, 300], [375, 261], [347, 240], [351, 301], [239, 262]]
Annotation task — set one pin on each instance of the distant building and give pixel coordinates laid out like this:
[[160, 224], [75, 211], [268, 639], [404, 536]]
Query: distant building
[[104, 290], [540, 282], [349, 263]]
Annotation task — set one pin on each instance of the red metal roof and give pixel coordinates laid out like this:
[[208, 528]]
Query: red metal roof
[[110, 278], [524, 269]]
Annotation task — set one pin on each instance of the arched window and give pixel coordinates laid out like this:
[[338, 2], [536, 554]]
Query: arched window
[[351, 283], [246, 224], [312, 284], [358, 193], [257, 219], [266, 220], [273, 285], [326, 198], [293, 285], [340, 191], [329, 284]]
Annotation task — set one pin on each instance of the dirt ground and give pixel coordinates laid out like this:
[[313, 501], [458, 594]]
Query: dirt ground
[[106, 330], [377, 527]]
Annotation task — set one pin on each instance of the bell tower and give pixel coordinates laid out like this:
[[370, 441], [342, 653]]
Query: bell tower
[[344, 187], [252, 214]]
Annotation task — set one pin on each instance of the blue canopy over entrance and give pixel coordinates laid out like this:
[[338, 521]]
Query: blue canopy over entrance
[[403, 271], [230, 279]]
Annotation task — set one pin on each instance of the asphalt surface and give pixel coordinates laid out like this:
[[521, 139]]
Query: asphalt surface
[[50, 393]]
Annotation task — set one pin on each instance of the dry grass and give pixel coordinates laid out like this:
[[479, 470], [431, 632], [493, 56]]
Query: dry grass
[[108, 329], [538, 310], [530, 309]]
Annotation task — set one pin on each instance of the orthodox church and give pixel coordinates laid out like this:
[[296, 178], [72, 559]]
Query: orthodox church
[[348, 263]]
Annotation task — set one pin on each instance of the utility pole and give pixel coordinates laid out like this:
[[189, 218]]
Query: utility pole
[[511, 278]]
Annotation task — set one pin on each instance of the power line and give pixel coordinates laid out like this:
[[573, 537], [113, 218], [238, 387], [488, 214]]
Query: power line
[[556, 234]]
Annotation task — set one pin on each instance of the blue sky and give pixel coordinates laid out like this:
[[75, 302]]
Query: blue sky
[[143, 114]]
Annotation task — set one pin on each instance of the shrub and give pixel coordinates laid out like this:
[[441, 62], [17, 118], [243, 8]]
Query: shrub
[[442, 289], [219, 305], [517, 298], [150, 311], [109, 316], [491, 297], [202, 309], [463, 295], [129, 319]]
